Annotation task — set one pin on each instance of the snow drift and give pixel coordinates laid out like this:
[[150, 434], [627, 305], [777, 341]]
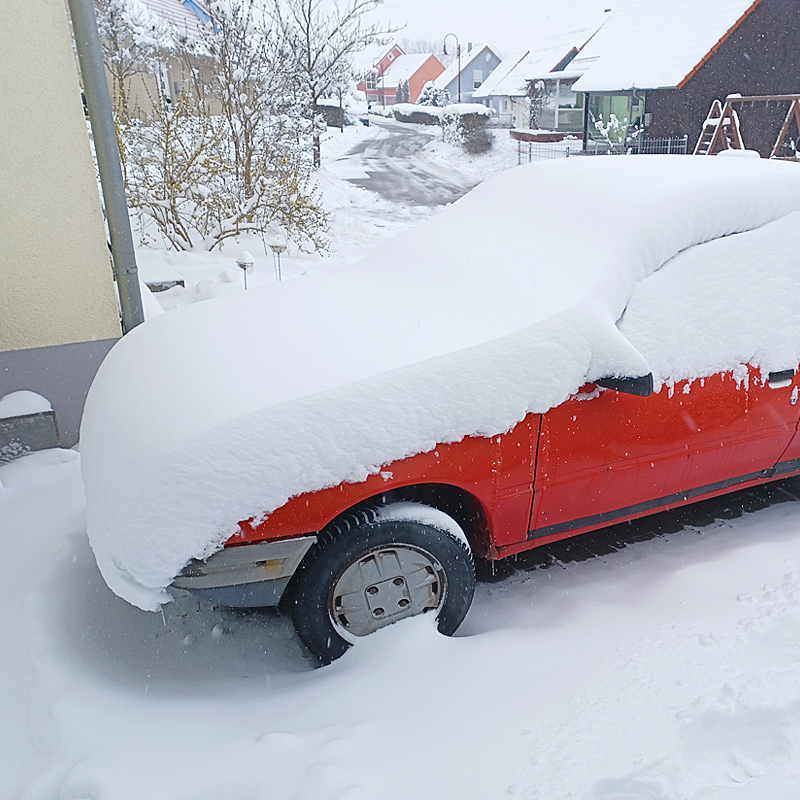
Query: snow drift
[[502, 304]]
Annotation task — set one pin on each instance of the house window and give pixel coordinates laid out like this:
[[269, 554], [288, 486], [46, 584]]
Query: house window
[[505, 104], [569, 115], [477, 78], [613, 117], [371, 81]]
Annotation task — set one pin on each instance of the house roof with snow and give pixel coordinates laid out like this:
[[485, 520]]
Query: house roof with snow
[[658, 44], [499, 74], [371, 55], [451, 72], [552, 53], [404, 67]]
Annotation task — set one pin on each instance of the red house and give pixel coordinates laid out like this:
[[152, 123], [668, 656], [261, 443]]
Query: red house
[[392, 67]]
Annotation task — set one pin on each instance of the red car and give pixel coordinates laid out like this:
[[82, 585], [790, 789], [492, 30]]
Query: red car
[[360, 556], [457, 395]]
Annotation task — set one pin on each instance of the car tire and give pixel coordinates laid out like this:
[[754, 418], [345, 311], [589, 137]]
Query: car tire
[[371, 569]]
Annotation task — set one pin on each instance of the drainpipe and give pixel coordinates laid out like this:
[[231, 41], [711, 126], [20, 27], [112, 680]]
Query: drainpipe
[[585, 120], [101, 118]]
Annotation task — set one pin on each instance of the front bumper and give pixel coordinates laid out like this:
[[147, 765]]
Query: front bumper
[[247, 576]]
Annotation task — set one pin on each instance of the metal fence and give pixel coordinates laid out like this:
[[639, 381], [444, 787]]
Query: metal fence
[[539, 151], [665, 145]]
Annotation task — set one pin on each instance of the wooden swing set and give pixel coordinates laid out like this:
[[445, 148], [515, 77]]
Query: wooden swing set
[[721, 129]]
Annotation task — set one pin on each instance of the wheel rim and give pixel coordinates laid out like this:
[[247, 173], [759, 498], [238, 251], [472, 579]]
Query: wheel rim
[[383, 586]]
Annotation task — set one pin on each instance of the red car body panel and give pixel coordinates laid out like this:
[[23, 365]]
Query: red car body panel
[[600, 457], [496, 471]]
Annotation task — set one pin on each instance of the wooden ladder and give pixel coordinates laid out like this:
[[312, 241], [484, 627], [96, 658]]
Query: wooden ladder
[[721, 129]]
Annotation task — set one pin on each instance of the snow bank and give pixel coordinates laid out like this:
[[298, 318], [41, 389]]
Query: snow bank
[[504, 303]]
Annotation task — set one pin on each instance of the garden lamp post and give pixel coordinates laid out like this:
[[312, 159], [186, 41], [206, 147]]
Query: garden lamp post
[[458, 56], [277, 238], [245, 264], [277, 249]]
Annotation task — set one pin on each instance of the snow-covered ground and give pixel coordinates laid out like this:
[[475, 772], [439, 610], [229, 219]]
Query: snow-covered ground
[[668, 669]]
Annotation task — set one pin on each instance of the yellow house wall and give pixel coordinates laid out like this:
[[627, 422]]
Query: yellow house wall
[[55, 276]]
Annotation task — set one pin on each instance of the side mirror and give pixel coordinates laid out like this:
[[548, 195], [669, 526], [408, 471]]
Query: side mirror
[[641, 386]]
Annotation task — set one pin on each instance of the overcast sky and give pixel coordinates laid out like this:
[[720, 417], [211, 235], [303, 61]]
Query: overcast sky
[[505, 25]]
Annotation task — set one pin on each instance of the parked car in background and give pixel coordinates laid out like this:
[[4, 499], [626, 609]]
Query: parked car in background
[[569, 346]]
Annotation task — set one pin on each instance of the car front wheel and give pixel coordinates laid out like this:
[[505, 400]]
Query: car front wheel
[[377, 567]]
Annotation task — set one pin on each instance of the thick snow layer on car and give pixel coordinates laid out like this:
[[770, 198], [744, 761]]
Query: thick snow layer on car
[[732, 301], [502, 304]]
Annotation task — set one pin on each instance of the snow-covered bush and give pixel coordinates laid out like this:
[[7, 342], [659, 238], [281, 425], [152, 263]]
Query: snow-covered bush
[[614, 132], [406, 112], [465, 126], [431, 96], [538, 94], [204, 177]]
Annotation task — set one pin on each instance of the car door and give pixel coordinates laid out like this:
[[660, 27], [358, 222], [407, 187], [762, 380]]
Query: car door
[[774, 408], [605, 455]]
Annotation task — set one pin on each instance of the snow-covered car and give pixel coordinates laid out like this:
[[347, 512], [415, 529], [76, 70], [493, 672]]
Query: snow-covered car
[[569, 345]]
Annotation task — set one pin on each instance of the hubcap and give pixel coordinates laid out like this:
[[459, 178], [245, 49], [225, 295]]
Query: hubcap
[[384, 586]]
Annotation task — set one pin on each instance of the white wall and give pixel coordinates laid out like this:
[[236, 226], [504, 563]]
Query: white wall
[[55, 276]]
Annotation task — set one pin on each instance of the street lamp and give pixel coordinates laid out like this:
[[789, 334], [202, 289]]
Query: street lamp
[[458, 55], [376, 65]]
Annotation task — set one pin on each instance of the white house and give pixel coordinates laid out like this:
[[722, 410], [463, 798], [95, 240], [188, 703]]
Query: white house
[[550, 61]]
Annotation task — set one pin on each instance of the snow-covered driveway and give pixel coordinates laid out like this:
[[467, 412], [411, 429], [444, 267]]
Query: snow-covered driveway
[[669, 668], [393, 164]]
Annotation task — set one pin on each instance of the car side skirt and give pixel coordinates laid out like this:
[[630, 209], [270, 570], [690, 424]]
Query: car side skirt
[[663, 503]]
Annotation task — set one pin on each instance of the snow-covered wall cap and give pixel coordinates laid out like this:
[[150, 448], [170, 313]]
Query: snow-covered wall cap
[[434, 111], [23, 402], [223, 410], [462, 109], [655, 44]]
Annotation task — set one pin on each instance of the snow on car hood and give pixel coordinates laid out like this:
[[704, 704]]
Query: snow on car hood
[[502, 304]]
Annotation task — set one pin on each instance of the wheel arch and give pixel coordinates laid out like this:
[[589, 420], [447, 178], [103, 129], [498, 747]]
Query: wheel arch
[[466, 509]]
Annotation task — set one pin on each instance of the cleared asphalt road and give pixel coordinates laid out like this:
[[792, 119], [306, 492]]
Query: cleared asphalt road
[[395, 167]]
